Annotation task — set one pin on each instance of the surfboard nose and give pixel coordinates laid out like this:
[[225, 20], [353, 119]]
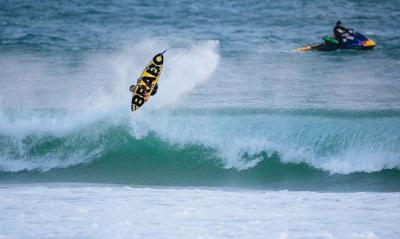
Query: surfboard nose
[[158, 59]]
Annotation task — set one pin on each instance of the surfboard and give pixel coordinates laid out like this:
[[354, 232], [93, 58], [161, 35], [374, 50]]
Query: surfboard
[[148, 81]]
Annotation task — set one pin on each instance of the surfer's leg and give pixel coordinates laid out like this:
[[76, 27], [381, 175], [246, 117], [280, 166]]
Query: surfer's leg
[[155, 90]]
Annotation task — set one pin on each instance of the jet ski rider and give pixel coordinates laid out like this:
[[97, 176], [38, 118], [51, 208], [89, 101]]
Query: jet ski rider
[[339, 32]]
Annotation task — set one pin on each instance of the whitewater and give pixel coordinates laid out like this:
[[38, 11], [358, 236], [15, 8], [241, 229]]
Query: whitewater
[[245, 138]]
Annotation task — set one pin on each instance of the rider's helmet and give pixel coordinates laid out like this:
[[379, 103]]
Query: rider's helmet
[[338, 23]]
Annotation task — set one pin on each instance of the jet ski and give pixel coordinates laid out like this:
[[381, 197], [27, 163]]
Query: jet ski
[[351, 40]]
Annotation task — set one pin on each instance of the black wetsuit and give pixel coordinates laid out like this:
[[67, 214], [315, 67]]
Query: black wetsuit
[[338, 32]]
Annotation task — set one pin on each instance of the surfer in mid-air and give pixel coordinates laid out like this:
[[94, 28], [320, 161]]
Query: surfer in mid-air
[[146, 95], [147, 83]]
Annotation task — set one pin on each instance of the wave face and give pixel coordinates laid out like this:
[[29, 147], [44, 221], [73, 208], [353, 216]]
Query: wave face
[[305, 149]]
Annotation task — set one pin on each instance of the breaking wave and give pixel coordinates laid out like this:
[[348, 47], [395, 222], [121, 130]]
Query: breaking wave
[[204, 145]]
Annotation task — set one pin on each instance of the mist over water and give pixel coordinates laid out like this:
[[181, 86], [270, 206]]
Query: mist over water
[[236, 104]]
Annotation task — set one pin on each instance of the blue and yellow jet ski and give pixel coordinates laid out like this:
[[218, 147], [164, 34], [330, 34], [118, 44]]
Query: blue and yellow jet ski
[[354, 41]]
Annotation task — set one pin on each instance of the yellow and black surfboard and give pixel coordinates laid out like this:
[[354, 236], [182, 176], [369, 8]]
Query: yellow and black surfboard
[[148, 81]]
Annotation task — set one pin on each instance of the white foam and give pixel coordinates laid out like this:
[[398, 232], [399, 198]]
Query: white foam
[[185, 69], [99, 211], [24, 123], [100, 80]]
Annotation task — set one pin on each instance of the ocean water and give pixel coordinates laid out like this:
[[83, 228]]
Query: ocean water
[[238, 112]]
